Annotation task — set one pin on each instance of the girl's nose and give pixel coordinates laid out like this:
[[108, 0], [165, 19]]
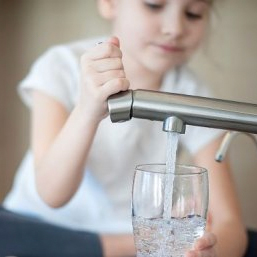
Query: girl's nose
[[173, 27]]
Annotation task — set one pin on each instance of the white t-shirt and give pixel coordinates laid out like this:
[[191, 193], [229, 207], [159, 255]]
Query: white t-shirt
[[102, 202]]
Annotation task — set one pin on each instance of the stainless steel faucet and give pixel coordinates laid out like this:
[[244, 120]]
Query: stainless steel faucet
[[228, 138], [177, 110]]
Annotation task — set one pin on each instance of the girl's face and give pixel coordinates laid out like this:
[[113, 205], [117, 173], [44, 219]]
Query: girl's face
[[159, 34]]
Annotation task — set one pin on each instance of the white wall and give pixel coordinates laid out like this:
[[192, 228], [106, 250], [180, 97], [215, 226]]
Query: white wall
[[228, 64]]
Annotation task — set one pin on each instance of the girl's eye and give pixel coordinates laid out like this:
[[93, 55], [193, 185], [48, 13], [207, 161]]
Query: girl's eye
[[193, 16], [154, 7]]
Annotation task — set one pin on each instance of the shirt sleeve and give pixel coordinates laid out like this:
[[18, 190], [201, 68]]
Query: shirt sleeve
[[55, 74]]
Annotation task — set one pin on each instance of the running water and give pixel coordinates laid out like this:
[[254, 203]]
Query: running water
[[171, 155], [167, 236]]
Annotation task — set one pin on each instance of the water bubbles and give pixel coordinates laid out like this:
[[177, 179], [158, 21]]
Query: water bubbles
[[166, 238]]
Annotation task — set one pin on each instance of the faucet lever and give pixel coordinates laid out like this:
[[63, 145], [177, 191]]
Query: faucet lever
[[229, 136]]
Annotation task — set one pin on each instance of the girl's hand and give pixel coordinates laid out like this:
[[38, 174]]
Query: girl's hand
[[204, 246], [102, 75]]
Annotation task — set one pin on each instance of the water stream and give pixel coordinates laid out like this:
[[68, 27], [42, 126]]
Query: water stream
[[171, 155]]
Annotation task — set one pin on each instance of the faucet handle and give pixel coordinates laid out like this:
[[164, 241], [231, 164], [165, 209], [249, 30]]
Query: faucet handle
[[229, 136], [120, 106]]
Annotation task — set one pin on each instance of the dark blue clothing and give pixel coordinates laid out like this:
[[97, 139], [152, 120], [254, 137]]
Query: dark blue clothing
[[23, 236]]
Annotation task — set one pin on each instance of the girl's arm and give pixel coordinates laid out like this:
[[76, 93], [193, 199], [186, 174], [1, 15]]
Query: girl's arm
[[60, 144], [61, 141], [224, 208]]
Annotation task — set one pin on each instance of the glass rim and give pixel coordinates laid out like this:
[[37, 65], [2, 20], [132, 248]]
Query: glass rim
[[197, 169]]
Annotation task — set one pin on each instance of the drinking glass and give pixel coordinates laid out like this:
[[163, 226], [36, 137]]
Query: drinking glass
[[168, 209]]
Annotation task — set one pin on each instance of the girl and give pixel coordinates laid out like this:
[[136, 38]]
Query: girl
[[82, 164]]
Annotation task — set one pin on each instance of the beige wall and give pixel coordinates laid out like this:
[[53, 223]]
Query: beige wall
[[228, 64], [27, 28]]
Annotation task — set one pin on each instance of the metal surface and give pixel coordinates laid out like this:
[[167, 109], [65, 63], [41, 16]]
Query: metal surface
[[174, 124], [192, 110], [120, 106]]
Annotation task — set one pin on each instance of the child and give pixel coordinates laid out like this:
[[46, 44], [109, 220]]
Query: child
[[82, 164]]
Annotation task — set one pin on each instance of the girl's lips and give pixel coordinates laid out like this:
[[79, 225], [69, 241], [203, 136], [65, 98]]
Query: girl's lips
[[168, 48]]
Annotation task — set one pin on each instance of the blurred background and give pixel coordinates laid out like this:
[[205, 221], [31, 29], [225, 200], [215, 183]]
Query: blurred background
[[227, 62]]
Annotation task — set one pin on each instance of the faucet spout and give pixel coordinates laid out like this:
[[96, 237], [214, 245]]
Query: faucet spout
[[228, 138], [192, 110], [174, 124]]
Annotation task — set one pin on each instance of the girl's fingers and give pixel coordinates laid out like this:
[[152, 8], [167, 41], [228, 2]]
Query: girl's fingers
[[191, 254], [208, 240], [105, 77], [115, 86], [102, 74], [99, 79], [204, 246], [102, 63], [101, 51], [204, 253], [107, 64], [114, 40]]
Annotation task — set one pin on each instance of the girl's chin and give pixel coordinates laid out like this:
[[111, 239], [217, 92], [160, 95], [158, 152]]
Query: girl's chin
[[162, 65]]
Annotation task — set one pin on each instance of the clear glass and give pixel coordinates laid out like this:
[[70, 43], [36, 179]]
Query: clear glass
[[168, 209]]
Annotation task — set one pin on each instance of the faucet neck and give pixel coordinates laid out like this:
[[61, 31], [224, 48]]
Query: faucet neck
[[192, 110]]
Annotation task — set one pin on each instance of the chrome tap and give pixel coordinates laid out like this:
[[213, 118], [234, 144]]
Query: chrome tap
[[177, 110], [229, 136]]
